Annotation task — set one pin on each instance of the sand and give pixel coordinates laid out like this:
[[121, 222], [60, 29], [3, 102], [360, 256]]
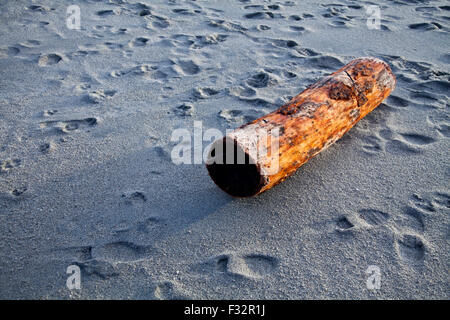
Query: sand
[[86, 176]]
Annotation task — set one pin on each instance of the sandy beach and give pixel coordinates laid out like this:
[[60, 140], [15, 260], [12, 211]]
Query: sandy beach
[[87, 176]]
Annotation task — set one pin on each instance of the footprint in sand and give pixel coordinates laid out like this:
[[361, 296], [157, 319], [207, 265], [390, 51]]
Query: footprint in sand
[[139, 42], [417, 139], [156, 21], [325, 62], [9, 52], [100, 268], [239, 116], [343, 224], [187, 67], [372, 144], [82, 256], [121, 251], [261, 80], [397, 101], [168, 290], [99, 96], [425, 26], [9, 164], [204, 93], [242, 92], [411, 250], [373, 217], [46, 147], [38, 8], [144, 226], [184, 110], [197, 42], [49, 59], [227, 26], [30, 43], [107, 13], [250, 266], [432, 202], [134, 197], [441, 123], [413, 219], [67, 126], [19, 191], [408, 143]]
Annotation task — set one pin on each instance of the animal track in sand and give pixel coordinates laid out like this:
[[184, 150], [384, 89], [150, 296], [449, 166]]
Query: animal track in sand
[[250, 266], [384, 139], [186, 67], [134, 197], [441, 199], [240, 116], [139, 42], [262, 27], [82, 257], [45, 147], [197, 42], [373, 217], [184, 12], [99, 96], [411, 249], [38, 8], [168, 290], [399, 147], [260, 103], [242, 92], [297, 28], [9, 52], [425, 26], [305, 52], [107, 13], [262, 15], [397, 101], [144, 226], [325, 61], [66, 126], [9, 164], [441, 123], [17, 192], [147, 71], [204, 93], [121, 251], [30, 43], [413, 219], [261, 80], [101, 268], [49, 59], [156, 21], [184, 110], [417, 139], [408, 142], [372, 144], [343, 224], [228, 26], [432, 202]]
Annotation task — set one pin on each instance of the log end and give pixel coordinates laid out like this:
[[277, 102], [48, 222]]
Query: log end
[[233, 170]]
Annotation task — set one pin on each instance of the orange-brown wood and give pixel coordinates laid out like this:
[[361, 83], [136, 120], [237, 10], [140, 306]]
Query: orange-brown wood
[[307, 125]]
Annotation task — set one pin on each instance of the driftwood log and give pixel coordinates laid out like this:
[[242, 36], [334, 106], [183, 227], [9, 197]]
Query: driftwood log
[[264, 152]]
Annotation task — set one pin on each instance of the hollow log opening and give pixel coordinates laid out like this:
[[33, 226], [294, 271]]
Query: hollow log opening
[[233, 170]]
